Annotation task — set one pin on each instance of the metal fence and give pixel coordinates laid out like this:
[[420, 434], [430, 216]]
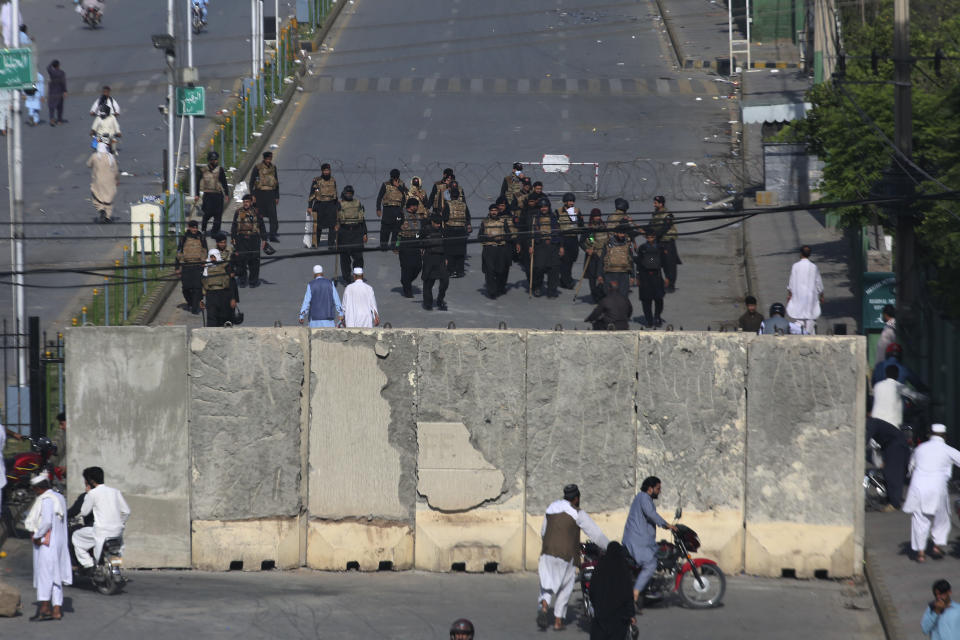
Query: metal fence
[[31, 398]]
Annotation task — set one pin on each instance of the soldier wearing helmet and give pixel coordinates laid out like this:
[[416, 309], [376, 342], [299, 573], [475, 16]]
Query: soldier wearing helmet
[[461, 629], [212, 187]]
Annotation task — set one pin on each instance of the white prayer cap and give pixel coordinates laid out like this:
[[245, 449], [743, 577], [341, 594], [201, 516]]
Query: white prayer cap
[[939, 428], [317, 269], [40, 477], [358, 271]]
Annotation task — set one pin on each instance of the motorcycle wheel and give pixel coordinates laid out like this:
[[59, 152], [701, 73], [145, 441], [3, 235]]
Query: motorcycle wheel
[[109, 582], [707, 596]]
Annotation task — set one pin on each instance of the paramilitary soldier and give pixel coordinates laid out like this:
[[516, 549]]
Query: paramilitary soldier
[[651, 257], [620, 217], [594, 242], [618, 260], [351, 233], [663, 225], [434, 264], [497, 251], [571, 223], [191, 252], [390, 202], [456, 230], [408, 248], [212, 187], [219, 285], [265, 184], [322, 205], [249, 236], [438, 193], [512, 182], [547, 250], [417, 193]]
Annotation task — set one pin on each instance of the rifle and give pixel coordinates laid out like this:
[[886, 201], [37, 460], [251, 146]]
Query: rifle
[[533, 247], [586, 263]]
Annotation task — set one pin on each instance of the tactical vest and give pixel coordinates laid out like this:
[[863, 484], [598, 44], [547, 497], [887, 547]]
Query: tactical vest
[[247, 222], [659, 221], [458, 213], [494, 233], [421, 197], [541, 227], [324, 190], [597, 240], [617, 258], [562, 537], [392, 196], [513, 186], [411, 223], [566, 224], [217, 277], [438, 199], [266, 177], [193, 250], [351, 212], [210, 179], [519, 201], [616, 218]]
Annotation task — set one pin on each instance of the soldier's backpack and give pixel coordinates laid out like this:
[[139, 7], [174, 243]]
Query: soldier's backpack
[[649, 258]]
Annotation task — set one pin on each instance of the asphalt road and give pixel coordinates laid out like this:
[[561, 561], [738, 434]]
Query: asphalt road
[[412, 604], [477, 86]]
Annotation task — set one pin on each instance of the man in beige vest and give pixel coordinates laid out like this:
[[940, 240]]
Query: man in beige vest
[[561, 553]]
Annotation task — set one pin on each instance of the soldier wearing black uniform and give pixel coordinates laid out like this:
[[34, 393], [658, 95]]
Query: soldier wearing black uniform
[[351, 233], [547, 250], [593, 242], [408, 248], [390, 200], [456, 230], [248, 234], [570, 227], [191, 253], [618, 260], [666, 230], [322, 205], [512, 182], [650, 259], [219, 286], [434, 264], [497, 243], [265, 184], [212, 187]]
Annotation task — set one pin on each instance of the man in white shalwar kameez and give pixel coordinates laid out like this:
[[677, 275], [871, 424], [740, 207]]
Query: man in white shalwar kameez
[[359, 303], [47, 521], [927, 498], [805, 292], [110, 513], [560, 554]]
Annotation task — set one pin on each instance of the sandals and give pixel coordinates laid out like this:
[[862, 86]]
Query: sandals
[[41, 616], [543, 619], [921, 557]]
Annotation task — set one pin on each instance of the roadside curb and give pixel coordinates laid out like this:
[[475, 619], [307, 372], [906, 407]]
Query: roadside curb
[[674, 41], [700, 63], [883, 601]]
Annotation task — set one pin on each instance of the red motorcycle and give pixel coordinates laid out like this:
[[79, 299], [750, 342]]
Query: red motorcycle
[[23, 466]]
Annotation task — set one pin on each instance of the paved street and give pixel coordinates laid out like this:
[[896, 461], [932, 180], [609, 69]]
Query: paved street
[[414, 605]]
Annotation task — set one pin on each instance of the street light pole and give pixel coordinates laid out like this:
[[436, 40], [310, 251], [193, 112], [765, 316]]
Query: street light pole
[[193, 142], [16, 220], [903, 138], [171, 107]]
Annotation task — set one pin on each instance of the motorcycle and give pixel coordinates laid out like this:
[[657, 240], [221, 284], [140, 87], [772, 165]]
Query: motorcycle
[[197, 20], [106, 576], [699, 582], [23, 466], [874, 489], [91, 16]]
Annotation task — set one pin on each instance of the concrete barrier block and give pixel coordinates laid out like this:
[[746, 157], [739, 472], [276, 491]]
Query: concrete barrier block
[[363, 446], [337, 545], [248, 545], [805, 407], [692, 430], [451, 474], [126, 390], [245, 417], [489, 539]]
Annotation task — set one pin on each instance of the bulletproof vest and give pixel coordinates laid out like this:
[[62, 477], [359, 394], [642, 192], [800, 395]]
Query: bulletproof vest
[[649, 258], [616, 218], [210, 179], [392, 196], [541, 227], [659, 222], [411, 223], [617, 257], [441, 188], [421, 197], [217, 277], [193, 250], [351, 212], [495, 232], [562, 537], [247, 222], [458, 213], [518, 202], [597, 240], [324, 190], [513, 186], [266, 177], [566, 224]]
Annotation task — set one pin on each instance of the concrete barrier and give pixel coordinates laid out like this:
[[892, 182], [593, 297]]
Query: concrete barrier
[[127, 410]]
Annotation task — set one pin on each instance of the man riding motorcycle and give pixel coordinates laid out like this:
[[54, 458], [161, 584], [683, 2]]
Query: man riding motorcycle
[[110, 513], [640, 533]]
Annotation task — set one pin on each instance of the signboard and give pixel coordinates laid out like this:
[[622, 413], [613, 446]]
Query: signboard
[[879, 289], [191, 101], [16, 69], [553, 163]]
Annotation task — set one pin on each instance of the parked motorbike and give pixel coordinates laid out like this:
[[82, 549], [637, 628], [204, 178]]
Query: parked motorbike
[[874, 489], [197, 18], [699, 582], [106, 576], [91, 17], [23, 466]]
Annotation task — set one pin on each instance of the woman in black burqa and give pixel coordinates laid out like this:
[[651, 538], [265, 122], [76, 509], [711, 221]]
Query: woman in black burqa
[[611, 591]]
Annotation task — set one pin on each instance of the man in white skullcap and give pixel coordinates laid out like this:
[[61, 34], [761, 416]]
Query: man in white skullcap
[[321, 303], [359, 303], [47, 522], [927, 499]]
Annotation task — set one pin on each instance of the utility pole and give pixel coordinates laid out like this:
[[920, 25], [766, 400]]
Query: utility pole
[[193, 142], [903, 138], [254, 47], [16, 221], [171, 106]]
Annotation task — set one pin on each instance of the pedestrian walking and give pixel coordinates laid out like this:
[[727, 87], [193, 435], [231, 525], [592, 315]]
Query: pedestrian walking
[[439, 195], [751, 321], [105, 100], [322, 206], [34, 100], [941, 618], [351, 232], [220, 284], [640, 533], [560, 553], [265, 184], [666, 229], [497, 252], [456, 229], [321, 305], [104, 175], [611, 593], [390, 200], [571, 223], [613, 310], [360, 303], [408, 249], [106, 128], [434, 264], [212, 190], [56, 92], [927, 498], [547, 250], [191, 253], [889, 334], [618, 260], [47, 522], [650, 280], [417, 193], [805, 292], [249, 236]]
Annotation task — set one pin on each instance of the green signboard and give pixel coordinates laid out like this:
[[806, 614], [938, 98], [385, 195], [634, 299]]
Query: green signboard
[[16, 69], [191, 101], [879, 289]]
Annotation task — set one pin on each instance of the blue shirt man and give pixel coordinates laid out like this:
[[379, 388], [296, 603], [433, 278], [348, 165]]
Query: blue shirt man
[[321, 302], [640, 532], [941, 619]]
